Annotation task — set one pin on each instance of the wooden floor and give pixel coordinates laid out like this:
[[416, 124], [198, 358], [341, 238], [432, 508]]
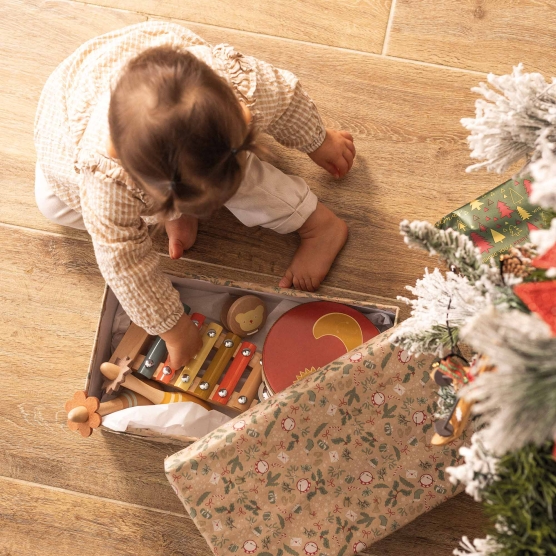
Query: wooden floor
[[395, 73]]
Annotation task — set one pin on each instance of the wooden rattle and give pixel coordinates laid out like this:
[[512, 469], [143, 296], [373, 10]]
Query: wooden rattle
[[244, 316], [120, 376], [80, 413]]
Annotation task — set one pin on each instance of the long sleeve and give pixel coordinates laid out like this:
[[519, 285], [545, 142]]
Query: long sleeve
[[125, 255], [285, 111]]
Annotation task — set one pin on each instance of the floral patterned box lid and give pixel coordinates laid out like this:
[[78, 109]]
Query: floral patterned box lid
[[328, 467]]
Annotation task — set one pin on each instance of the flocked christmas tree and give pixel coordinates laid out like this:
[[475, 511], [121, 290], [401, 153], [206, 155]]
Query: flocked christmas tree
[[506, 312]]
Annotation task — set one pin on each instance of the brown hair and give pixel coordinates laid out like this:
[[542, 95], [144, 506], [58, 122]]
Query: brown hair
[[179, 131]]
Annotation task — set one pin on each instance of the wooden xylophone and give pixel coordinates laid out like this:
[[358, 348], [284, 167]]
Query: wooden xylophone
[[215, 382]]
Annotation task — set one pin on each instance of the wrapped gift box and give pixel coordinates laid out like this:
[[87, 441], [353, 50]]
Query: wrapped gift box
[[499, 219], [327, 467]]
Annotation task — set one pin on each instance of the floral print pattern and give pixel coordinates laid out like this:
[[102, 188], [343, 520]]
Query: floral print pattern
[[327, 467]]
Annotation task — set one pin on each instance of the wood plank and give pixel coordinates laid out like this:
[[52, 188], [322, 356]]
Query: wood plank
[[354, 24], [35, 37], [436, 533], [51, 299], [412, 155], [41, 520], [483, 35]]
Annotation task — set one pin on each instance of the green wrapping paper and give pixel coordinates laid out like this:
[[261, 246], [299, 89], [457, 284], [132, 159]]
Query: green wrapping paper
[[499, 219]]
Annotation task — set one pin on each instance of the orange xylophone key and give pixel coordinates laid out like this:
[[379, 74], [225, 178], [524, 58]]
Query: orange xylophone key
[[233, 375]]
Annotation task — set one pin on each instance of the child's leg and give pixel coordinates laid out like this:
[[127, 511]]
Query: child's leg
[[269, 198], [52, 207]]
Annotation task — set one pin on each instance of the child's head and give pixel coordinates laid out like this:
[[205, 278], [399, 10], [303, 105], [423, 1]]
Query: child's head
[[179, 131]]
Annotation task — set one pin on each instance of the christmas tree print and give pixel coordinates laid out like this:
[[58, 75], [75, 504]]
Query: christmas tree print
[[531, 226], [480, 242], [527, 184], [516, 197], [476, 205], [504, 210], [497, 236], [523, 213]]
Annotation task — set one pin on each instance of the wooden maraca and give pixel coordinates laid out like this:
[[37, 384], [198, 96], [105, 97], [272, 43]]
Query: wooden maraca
[[80, 414], [244, 315], [119, 377]]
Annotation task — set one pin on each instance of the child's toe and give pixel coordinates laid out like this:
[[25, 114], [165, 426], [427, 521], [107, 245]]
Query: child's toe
[[175, 249], [287, 280]]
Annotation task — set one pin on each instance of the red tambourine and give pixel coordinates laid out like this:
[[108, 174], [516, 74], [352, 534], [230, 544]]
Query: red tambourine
[[310, 336]]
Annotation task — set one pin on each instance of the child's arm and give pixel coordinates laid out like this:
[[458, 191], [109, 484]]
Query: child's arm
[[129, 264], [284, 110]]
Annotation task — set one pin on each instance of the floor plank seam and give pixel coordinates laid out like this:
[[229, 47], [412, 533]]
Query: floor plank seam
[[185, 259], [45, 232], [388, 28], [151, 16], [91, 496]]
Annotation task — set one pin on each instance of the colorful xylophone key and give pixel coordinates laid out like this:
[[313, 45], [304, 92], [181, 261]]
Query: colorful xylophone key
[[166, 374], [156, 354], [251, 386], [217, 366], [185, 378], [233, 375]]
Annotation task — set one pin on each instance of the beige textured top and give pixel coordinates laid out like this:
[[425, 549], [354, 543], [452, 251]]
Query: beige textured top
[[71, 132]]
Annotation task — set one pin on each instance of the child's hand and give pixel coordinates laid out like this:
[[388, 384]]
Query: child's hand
[[336, 154], [183, 342]]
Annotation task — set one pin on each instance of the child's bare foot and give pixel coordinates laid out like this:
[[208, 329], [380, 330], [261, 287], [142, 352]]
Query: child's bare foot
[[182, 234], [322, 237]]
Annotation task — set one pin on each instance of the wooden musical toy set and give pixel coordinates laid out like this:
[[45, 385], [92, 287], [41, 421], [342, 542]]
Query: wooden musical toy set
[[148, 358], [227, 372]]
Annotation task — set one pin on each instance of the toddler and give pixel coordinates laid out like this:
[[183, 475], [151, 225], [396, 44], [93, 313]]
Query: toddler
[[149, 125]]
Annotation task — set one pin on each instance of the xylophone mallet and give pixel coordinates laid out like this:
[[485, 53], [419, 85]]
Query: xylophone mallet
[[113, 372]]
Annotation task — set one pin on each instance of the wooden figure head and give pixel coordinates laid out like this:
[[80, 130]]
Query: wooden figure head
[[245, 315]]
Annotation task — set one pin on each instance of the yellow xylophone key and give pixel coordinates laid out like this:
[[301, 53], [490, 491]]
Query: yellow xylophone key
[[217, 366], [185, 378]]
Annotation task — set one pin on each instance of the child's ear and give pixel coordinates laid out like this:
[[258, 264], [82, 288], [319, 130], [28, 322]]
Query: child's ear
[[110, 148]]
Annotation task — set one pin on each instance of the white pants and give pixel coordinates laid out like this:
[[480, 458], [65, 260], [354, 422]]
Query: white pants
[[266, 197]]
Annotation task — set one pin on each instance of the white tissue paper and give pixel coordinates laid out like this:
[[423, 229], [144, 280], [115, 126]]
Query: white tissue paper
[[178, 419]]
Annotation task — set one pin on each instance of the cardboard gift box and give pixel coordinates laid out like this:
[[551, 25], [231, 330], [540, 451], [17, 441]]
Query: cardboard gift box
[[102, 348], [327, 467]]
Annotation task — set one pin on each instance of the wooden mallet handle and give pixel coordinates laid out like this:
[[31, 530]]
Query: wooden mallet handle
[[111, 372]]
